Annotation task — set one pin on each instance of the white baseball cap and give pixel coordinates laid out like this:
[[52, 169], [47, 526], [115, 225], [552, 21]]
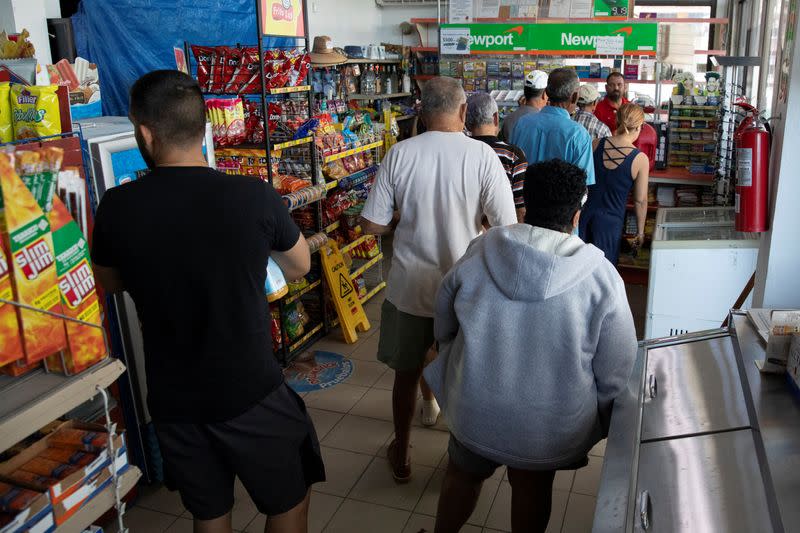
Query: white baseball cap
[[588, 94], [536, 80]]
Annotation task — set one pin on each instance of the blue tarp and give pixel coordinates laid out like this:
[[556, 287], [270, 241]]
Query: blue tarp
[[128, 38]]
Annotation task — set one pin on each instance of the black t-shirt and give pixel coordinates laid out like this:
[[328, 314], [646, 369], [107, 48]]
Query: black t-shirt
[[191, 245]]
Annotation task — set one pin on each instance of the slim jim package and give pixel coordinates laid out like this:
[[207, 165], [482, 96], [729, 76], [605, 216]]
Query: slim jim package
[[34, 270], [10, 338], [76, 285]]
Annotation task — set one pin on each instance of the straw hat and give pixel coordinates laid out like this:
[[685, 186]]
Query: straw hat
[[323, 52]]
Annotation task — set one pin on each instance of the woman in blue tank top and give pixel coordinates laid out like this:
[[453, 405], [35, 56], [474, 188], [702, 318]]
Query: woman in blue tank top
[[618, 167]]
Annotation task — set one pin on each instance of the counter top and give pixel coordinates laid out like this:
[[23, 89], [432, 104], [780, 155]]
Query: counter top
[[773, 417], [776, 417]]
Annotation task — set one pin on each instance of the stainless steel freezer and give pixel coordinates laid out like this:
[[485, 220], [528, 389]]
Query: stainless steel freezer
[[701, 441]]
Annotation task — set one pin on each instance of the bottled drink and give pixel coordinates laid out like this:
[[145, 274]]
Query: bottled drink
[[390, 86], [368, 81], [406, 82], [378, 80]]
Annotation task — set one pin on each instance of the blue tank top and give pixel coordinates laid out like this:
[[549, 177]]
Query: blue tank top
[[612, 187]]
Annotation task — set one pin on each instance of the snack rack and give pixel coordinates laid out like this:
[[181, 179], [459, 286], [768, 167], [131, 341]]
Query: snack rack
[[283, 152]]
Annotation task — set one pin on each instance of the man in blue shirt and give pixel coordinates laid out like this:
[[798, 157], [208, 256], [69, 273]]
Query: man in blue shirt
[[551, 133]]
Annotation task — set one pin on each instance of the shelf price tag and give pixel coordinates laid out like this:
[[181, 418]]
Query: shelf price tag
[[345, 296]]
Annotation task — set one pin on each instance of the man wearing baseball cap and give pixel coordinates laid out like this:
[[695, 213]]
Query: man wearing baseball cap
[[535, 99], [587, 102]]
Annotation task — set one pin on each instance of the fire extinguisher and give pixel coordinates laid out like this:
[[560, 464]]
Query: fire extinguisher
[[752, 140]]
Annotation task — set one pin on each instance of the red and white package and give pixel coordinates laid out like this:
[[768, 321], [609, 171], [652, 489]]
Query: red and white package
[[243, 72], [217, 81], [204, 55]]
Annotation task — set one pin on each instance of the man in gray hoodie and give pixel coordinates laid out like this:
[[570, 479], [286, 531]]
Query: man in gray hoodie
[[536, 339]]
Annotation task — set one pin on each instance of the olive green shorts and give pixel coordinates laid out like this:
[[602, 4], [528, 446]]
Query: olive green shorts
[[405, 339]]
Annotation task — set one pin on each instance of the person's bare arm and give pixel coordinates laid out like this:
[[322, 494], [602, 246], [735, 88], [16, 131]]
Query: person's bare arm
[[369, 227], [520, 215], [295, 262], [641, 175], [108, 278]]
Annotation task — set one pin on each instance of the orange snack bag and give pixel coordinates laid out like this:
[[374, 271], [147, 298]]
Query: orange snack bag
[[34, 270], [10, 338], [47, 468], [79, 439], [76, 284]]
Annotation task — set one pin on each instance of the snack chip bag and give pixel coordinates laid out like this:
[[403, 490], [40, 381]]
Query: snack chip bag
[[6, 122], [205, 58], [35, 111], [76, 283], [33, 260], [10, 339]]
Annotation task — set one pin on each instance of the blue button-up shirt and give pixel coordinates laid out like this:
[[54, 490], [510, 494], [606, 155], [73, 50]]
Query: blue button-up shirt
[[552, 134]]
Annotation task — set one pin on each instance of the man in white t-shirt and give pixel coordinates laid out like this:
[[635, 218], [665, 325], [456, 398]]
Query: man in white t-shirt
[[441, 184]]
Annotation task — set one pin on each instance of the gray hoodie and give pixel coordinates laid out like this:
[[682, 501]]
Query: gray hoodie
[[536, 340]]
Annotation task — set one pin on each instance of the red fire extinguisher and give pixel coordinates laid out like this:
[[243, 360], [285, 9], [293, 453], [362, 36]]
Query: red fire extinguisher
[[752, 171]]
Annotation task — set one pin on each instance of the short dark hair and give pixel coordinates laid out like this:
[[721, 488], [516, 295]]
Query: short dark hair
[[614, 75], [533, 94], [553, 192], [562, 84], [171, 104]]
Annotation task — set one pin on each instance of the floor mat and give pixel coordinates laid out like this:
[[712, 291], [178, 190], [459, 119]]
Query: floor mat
[[322, 371]]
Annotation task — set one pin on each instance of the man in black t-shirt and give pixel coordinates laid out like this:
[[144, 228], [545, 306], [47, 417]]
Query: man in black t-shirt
[[191, 245]]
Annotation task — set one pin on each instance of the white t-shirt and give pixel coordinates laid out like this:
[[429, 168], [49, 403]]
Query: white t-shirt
[[442, 184]]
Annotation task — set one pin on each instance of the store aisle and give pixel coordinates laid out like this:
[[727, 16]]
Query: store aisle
[[353, 421]]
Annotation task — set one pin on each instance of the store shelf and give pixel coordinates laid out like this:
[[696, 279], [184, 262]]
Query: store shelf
[[288, 90], [373, 62], [298, 295], [680, 176], [352, 151], [703, 119], [361, 240], [629, 82], [378, 288], [693, 154], [100, 504], [30, 402], [305, 338], [695, 107], [693, 130], [372, 169], [377, 96], [433, 49], [679, 141], [290, 144], [366, 266]]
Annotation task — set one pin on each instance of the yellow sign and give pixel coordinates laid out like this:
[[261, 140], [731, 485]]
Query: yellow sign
[[345, 297], [283, 18]]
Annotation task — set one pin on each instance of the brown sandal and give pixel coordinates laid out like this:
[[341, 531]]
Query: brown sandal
[[400, 473]]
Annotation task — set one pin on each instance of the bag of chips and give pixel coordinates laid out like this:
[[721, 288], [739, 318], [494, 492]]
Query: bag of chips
[[204, 55], [6, 122], [35, 111]]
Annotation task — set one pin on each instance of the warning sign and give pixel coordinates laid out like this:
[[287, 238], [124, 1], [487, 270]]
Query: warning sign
[[345, 298], [345, 286]]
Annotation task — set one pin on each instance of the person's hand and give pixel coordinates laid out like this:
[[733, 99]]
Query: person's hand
[[638, 241]]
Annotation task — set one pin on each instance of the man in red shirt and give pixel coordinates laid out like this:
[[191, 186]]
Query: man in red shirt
[[606, 110]]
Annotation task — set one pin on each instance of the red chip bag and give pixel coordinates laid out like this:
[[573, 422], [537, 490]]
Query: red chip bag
[[245, 70], [204, 55], [297, 76], [217, 81], [233, 61]]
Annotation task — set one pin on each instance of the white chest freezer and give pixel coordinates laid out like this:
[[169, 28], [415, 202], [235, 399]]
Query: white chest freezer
[[696, 274]]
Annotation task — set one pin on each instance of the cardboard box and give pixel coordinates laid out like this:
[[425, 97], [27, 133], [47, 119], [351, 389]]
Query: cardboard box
[[34, 269], [38, 518], [71, 493]]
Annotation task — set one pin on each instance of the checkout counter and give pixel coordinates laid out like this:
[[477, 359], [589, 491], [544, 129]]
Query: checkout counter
[[702, 441]]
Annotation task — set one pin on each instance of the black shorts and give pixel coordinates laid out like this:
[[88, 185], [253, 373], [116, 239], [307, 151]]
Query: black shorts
[[272, 449]]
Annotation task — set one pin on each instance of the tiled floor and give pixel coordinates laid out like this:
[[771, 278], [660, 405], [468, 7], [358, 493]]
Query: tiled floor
[[353, 422]]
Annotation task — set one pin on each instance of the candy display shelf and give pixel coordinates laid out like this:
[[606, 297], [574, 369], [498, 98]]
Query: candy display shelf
[[32, 401], [100, 504]]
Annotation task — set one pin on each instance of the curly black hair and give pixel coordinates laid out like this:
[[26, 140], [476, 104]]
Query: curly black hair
[[554, 191]]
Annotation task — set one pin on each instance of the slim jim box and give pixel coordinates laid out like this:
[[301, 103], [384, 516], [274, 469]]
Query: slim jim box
[[10, 338]]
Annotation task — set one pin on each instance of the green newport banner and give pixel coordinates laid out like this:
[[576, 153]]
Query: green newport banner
[[566, 39]]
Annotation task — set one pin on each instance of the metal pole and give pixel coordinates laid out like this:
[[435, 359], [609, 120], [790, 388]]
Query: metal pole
[[764, 52]]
